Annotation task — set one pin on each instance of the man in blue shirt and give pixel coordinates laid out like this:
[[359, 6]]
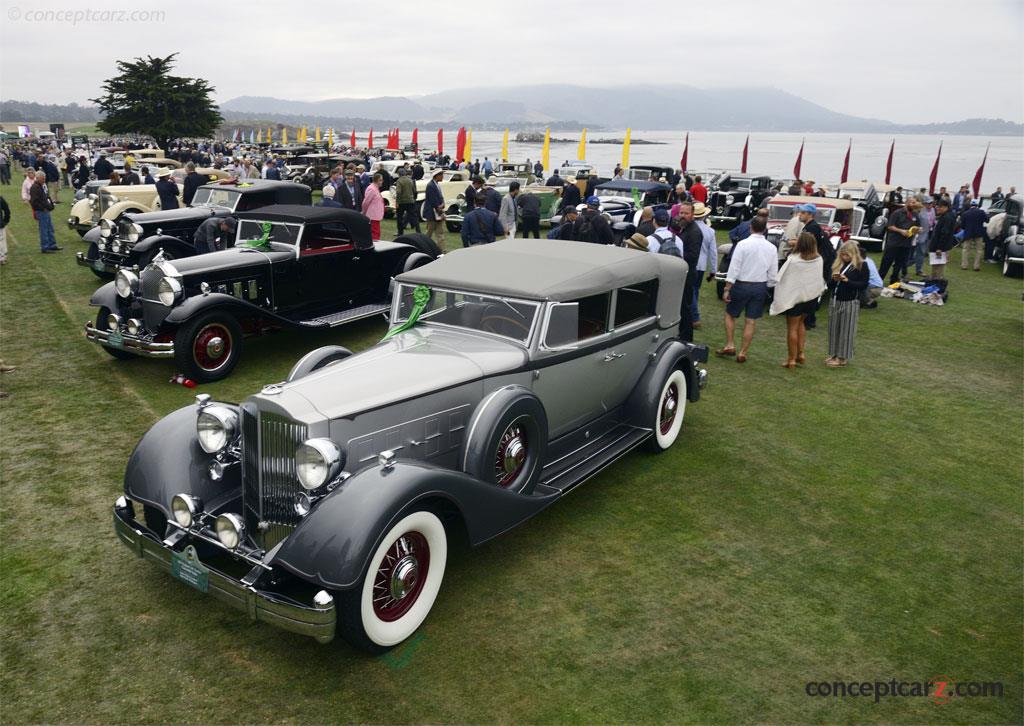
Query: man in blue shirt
[[869, 296], [973, 224], [480, 225]]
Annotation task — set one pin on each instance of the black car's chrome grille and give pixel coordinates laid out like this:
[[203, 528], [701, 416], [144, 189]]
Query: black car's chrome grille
[[124, 228], [269, 481]]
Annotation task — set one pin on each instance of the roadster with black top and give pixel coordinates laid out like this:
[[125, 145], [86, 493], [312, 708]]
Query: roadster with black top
[[289, 266], [326, 504]]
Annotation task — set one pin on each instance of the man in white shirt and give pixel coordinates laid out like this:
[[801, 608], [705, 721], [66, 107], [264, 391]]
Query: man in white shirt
[[752, 271], [662, 235]]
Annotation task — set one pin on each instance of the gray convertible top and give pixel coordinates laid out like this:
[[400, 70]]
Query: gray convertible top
[[558, 270]]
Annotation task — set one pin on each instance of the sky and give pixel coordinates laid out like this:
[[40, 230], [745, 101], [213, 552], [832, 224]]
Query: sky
[[908, 61]]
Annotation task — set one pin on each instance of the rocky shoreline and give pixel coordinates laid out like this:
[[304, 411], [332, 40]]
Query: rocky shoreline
[[535, 137]]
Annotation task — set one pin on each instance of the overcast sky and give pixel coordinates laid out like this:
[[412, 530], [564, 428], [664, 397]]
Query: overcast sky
[[910, 61]]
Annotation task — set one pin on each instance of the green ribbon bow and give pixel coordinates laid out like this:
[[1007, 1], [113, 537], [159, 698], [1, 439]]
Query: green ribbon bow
[[263, 242], [420, 298], [637, 199]]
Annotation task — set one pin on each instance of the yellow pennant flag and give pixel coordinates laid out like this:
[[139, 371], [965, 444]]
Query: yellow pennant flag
[[284, 136], [545, 152], [504, 146], [318, 134], [468, 151], [330, 137], [270, 137], [305, 134], [581, 153], [625, 151]]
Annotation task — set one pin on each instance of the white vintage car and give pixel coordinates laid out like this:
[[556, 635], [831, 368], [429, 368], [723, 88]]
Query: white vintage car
[[453, 185], [110, 202]]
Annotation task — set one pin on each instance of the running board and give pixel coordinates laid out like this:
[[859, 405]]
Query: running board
[[347, 316], [578, 466]]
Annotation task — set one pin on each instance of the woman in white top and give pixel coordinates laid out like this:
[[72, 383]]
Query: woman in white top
[[800, 284]]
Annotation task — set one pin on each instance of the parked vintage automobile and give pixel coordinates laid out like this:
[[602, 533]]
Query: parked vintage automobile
[[649, 172], [876, 200], [316, 268], [518, 170], [110, 202], [326, 504], [1004, 230], [738, 196], [134, 239], [619, 204], [548, 196], [313, 170]]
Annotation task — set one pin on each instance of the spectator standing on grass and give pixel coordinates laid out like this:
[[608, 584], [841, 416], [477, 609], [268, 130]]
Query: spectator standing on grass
[[480, 225], [129, 178], [645, 226], [52, 177], [493, 199], [752, 271], [26, 185], [663, 240], [405, 203], [926, 220], [327, 198], [82, 172], [850, 277], [808, 213], [5, 219], [592, 226], [476, 185], [5, 167], [973, 223], [799, 285], [433, 206], [693, 241], [193, 180], [567, 229], [942, 238], [570, 196], [997, 195], [529, 214], [167, 190], [708, 260], [507, 210], [698, 192], [147, 178], [103, 168], [42, 205], [373, 205], [899, 235], [349, 193]]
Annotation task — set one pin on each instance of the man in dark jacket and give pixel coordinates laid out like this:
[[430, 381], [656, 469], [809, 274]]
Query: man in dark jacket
[[103, 168], [899, 239], [82, 172], [942, 239], [554, 180], [807, 213], [405, 202], [492, 199], [193, 180], [973, 222], [592, 226], [52, 178], [693, 240], [41, 204], [529, 212], [271, 172], [5, 219], [570, 221], [167, 190], [129, 177], [570, 196], [433, 208], [350, 194], [476, 185], [480, 225]]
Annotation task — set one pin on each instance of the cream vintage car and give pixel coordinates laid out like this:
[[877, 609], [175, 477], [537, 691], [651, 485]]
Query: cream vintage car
[[109, 202], [453, 185]]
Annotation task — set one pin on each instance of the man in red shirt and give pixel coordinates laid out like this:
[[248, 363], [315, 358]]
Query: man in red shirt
[[809, 188], [698, 191]]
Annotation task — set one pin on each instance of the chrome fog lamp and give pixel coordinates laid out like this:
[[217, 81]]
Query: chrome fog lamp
[[215, 428], [134, 326], [168, 291], [229, 528], [185, 508], [134, 232], [113, 321], [101, 246], [317, 461], [126, 283], [92, 197], [106, 228]]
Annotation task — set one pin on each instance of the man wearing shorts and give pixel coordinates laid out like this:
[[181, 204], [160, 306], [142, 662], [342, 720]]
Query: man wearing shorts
[[752, 270]]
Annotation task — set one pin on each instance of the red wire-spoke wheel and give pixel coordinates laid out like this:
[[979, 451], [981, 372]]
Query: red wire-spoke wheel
[[211, 348], [667, 410], [669, 406], [399, 579], [511, 454]]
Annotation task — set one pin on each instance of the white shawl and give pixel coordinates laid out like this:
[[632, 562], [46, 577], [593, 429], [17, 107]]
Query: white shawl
[[798, 281]]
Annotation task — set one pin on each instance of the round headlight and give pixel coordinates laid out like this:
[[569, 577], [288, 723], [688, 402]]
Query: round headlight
[[216, 427], [317, 461], [134, 233], [185, 509], [729, 199], [113, 321], [168, 291], [106, 228], [101, 246], [134, 326], [126, 283], [229, 528], [92, 197]]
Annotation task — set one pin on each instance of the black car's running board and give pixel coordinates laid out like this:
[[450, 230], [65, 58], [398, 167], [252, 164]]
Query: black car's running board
[[347, 316], [566, 473]]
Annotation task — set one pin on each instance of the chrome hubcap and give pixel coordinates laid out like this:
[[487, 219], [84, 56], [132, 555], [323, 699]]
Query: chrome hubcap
[[403, 577], [215, 347], [515, 453]]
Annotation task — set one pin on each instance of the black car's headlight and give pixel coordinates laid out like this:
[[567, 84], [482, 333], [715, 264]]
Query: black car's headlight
[[106, 228], [216, 427], [168, 291], [126, 283], [134, 233], [317, 461]]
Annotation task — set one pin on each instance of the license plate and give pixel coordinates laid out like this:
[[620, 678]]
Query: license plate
[[186, 567], [98, 265], [115, 340]]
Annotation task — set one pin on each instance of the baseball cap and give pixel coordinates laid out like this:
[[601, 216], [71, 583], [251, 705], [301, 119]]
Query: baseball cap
[[974, 202], [661, 216], [807, 208], [593, 201]]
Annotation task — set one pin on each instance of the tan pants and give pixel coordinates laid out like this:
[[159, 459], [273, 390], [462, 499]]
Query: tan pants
[[436, 230], [978, 245]]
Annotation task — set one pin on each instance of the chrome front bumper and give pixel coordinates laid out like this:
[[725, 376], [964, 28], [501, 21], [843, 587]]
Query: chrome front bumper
[[131, 343], [82, 260], [315, 622], [724, 218]]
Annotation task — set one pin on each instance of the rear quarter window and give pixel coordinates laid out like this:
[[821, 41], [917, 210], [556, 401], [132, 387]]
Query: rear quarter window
[[635, 302]]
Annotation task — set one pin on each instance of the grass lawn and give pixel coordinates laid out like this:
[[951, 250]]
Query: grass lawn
[[857, 524]]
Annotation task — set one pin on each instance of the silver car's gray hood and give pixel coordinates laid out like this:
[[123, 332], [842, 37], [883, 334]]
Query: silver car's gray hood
[[410, 364]]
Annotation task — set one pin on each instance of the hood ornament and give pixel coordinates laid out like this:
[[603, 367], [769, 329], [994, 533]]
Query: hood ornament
[[272, 389]]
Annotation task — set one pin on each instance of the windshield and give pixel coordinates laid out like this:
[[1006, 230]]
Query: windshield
[[783, 213], [499, 316], [251, 229], [214, 197]]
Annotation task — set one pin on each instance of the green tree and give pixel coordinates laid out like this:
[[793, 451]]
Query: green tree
[[147, 99]]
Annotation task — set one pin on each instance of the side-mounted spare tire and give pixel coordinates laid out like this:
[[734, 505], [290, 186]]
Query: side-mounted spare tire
[[507, 440], [421, 242], [316, 359]]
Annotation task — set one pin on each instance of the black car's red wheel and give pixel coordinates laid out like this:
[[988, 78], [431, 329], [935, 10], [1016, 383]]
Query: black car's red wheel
[[207, 348], [669, 408], [399, 579]]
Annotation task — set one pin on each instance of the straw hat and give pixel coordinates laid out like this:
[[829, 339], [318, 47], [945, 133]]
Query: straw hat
[[700, 210], [637, 242]]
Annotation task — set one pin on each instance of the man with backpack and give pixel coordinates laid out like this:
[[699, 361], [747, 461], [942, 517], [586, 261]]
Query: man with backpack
[[480, 225], [592, 226], [663, 241]]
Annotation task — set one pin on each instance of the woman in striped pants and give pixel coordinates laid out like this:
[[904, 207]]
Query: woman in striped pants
[[850, 277]]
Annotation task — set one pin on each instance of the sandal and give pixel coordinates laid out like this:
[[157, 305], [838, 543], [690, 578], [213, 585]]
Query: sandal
[[789, 364], [741, 358], [801, 359], [836, 363], [723, 352]]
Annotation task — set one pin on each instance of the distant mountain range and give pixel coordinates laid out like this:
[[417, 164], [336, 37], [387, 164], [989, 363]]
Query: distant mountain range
[[562, 107]]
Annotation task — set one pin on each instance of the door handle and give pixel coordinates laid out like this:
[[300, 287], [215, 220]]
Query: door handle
[[612, 356]]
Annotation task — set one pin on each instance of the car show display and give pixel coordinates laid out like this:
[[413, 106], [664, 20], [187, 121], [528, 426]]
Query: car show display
[[326, 504]]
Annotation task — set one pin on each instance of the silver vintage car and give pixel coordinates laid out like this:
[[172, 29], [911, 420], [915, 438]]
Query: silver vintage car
[[325, 504]]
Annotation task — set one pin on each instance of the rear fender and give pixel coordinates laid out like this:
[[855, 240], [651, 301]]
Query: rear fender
[[333, 544], [673, 354]]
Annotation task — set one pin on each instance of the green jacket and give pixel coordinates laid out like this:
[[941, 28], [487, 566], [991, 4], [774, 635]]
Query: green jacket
[[405, 190]]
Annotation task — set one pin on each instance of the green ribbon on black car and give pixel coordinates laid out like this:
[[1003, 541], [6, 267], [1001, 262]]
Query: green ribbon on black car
[[263, 243], [420, 299]]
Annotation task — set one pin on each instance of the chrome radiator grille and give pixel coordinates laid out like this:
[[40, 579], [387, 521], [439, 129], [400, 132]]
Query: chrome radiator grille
[[269, 482]]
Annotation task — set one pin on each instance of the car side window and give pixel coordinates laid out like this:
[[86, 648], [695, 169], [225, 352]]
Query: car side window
[[574, 322], [321, 237], [635, 302]]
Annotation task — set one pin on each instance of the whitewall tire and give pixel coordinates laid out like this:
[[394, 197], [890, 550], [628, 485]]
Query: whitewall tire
[[668, 416]]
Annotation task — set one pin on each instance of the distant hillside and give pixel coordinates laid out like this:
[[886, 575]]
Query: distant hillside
[[29, 111]]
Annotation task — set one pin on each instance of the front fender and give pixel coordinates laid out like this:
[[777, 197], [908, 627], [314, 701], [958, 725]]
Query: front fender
[[126, 207], [92, 236], [333, 544], [105, 296], [168, 461], [174, 246], [201, 303]]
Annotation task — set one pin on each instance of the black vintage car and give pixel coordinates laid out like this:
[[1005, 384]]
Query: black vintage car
[[1008, 244], [290, 266], [135, 238], [738, 196]]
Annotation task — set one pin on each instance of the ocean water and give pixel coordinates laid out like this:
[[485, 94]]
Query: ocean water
[[775, 153]]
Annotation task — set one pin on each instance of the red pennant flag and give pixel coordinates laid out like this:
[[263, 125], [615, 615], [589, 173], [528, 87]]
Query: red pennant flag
[[440, 142], [888, 164], [935, 171], [686, 151], [746, 147], [846, 164], [460, 143], [393, 139], [977, 176], [369, 143], [353, 139], [799, 160], [415, 139]]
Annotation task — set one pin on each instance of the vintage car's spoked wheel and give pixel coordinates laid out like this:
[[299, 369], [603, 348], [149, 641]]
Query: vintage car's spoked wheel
[[667, 414], [207, 348], [511, 454], [399, 587], [101, 324]]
